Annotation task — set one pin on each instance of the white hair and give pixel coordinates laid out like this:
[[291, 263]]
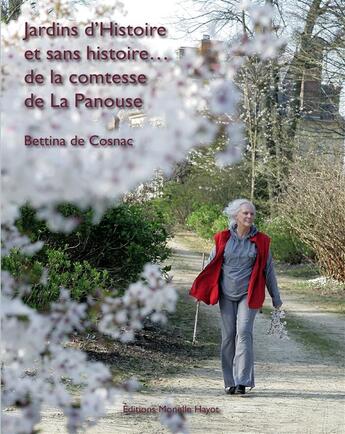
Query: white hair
[[234, 207]]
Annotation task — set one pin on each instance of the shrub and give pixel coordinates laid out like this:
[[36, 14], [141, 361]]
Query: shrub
[[79, 277], [202, 220], [178, 202], [127, 237], [199, 181], [221, 223], [314, 207], [285, 245]]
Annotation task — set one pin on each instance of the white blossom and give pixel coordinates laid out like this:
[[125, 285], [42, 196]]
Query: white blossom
[[223, 97], [149, 297], [11, 239], [175, 421]]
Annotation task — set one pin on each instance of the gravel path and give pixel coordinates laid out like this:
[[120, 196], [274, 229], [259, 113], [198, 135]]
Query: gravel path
[[297, 390], [315, 318]]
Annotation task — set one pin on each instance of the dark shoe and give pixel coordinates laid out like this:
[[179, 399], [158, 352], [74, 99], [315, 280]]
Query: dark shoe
[[241, 389], [230, 390]]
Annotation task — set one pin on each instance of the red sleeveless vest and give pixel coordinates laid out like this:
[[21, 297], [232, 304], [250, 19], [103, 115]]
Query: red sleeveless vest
[[206, 285]]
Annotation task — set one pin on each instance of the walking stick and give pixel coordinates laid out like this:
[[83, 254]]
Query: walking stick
[[197, 307]]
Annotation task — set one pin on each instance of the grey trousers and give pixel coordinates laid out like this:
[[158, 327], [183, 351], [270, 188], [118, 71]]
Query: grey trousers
[[237, 353]]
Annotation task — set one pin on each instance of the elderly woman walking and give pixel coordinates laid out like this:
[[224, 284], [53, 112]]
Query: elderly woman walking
[[239, 268]]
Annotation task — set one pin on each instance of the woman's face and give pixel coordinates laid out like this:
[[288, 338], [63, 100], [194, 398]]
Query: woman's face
[[245, 216]]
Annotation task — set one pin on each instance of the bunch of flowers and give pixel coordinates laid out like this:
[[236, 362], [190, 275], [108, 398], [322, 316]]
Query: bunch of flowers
[[278, 325]]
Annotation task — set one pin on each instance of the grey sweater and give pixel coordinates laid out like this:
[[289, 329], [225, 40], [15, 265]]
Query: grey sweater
[[239, 258]]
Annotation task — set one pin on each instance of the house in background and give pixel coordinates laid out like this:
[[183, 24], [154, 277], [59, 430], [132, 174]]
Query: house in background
[[321, 126], [207, 49]]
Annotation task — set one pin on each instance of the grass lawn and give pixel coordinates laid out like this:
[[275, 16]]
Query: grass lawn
[[304, 280]]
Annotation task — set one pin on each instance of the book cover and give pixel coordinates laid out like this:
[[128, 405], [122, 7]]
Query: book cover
[[132, 133]]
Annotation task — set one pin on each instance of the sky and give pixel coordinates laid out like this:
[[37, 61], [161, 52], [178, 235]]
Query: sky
[[159, 13], [162, 12]]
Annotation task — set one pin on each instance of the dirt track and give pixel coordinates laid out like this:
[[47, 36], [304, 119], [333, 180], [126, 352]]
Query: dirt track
[[298, 390]]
